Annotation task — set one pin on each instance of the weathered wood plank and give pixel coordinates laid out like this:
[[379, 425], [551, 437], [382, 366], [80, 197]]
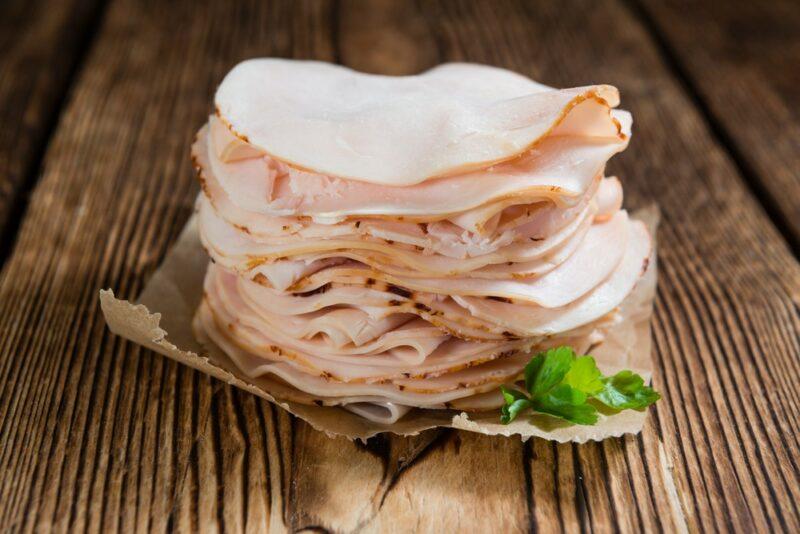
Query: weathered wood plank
[[40, 44], [97, 433], [743, 59]]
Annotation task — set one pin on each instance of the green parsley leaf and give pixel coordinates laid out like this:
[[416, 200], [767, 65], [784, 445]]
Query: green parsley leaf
[[567, 403], [516, 402], [548, 369], [510, 395], [626, 390], [585, 376], [560, 384], [532, 369]]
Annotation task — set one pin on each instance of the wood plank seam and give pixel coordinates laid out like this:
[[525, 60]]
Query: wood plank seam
[[718, 130], [198, 433], [20, 192]]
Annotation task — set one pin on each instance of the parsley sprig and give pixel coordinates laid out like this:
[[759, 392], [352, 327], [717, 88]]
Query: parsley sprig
[[561, 384]]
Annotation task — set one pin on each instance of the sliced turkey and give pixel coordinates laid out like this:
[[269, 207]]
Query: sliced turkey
[[385, 244]]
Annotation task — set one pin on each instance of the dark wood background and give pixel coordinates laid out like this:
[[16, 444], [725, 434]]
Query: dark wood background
[[98, 103]]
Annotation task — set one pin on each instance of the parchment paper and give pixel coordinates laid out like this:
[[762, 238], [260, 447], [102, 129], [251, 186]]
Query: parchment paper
[[175, 290]]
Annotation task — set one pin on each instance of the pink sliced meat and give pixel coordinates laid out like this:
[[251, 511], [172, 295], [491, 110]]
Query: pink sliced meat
[[598, 255], [533, 320], [403, 130], [559, 169], [454, 238], [388, 244]]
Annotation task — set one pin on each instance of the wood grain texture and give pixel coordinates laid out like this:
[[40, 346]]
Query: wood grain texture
[[100, 435], [743, 60], [41, 42]]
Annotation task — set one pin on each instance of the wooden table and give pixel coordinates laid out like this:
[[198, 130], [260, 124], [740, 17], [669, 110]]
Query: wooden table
[[99, 102]]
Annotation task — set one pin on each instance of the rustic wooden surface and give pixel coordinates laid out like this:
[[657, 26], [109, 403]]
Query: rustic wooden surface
[[42, 43], [740, 59], [98, 434]]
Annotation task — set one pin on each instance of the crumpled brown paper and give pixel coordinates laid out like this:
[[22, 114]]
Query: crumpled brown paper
[[175, 290]]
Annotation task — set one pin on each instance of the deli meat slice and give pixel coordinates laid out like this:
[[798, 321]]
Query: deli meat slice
[[382, 244], [559, 168], [401, 131]]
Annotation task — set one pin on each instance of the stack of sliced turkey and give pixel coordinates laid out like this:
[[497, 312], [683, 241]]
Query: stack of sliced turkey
[[389, 243]]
